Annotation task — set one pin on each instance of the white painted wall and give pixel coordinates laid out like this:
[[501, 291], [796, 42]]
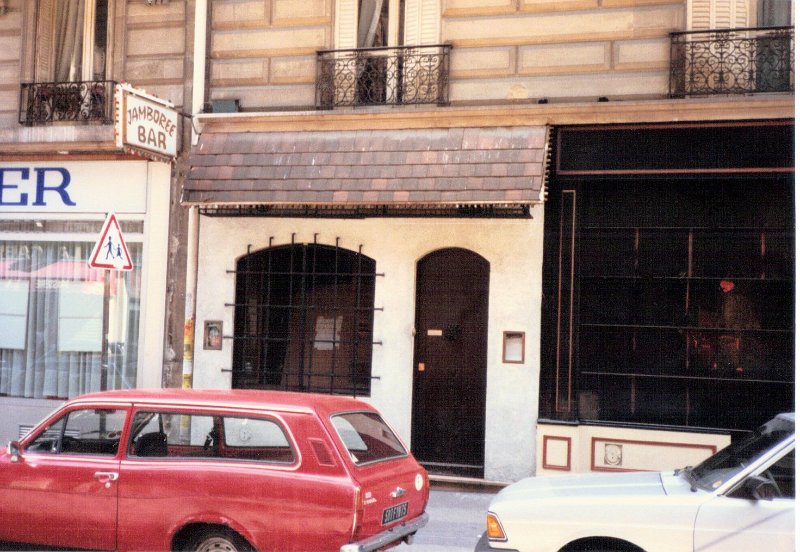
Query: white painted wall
[[514, 251]]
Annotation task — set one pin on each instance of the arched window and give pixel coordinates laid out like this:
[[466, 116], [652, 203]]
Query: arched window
[[303, 320]]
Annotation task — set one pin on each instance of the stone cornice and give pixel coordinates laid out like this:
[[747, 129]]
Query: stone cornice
[[578, 113], [99, 140]]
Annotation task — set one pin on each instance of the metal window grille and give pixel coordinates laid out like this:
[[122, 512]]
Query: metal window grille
[[732, 61], [303, 320], [75, 102], [401, 75]]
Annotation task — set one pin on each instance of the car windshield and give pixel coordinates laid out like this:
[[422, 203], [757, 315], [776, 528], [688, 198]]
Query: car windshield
[[721, 467]]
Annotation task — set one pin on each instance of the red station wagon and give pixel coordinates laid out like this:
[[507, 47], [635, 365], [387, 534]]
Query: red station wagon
[[173, 469]]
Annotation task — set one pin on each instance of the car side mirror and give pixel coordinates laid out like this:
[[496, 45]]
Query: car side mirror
[[13, 451], [760, 488]]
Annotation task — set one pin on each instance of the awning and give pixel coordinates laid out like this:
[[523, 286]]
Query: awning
[[369, 171]]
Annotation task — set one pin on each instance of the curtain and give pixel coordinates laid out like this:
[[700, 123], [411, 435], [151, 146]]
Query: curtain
[[65, 300], [774, 13], [68, 40], [369, 15]]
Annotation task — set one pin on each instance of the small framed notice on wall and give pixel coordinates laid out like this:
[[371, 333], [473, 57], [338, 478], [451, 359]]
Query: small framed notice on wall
[[212, 335], [513, 347]]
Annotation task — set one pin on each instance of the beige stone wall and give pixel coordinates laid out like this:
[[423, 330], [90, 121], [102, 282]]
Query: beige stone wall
[[155, 46], [262, 52], [536, 49]]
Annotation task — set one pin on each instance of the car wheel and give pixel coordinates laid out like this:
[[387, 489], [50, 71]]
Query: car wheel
[[601, 545], [217, 540]]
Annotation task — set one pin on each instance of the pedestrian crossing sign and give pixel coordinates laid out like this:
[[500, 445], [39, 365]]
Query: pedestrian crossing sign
[[110, 252]]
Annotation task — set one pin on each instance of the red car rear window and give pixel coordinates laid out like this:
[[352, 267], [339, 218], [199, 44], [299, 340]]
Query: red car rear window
[[367, 437]]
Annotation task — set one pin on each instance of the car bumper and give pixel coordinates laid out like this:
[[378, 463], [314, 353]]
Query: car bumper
[[483, 546], [404, 532]]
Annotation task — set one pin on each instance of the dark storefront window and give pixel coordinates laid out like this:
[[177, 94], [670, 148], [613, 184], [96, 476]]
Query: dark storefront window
[[683, 302], [303, 320]]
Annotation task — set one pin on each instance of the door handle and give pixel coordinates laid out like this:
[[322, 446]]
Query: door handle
[[106, 477]]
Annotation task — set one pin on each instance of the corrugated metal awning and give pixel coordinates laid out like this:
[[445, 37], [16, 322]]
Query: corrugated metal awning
[[363, 170]]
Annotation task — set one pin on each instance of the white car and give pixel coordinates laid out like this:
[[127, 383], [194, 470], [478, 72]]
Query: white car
[[740, 499]]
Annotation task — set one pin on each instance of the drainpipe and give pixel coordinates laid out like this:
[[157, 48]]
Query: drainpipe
[[199, 58], [193, 226], [192, 232]]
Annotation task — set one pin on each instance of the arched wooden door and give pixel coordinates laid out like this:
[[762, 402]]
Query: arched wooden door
[[449, 403]]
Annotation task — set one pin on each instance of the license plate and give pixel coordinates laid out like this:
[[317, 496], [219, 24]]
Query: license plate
[[394, 513]]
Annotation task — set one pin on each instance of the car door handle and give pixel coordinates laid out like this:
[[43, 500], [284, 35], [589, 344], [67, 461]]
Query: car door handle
[[108, 476]]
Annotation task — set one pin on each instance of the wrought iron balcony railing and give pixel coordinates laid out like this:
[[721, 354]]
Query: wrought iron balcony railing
[[732, 61], [43, 103], [402, 75]]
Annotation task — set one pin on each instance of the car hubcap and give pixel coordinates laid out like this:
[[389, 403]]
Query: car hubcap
[[216, 544]]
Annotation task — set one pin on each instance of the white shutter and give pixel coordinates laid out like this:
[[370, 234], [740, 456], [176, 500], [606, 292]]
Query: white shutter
[[346, 30], [718, 14], [422, 22]]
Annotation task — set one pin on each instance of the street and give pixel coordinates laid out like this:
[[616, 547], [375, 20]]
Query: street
[[457, 520]]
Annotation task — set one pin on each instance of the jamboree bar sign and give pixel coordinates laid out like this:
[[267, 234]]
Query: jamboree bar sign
[[145, 124]]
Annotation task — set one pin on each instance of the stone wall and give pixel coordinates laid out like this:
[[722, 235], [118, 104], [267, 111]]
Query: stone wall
[[263, 52]]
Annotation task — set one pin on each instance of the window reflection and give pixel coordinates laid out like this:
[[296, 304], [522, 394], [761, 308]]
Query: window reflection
[[54, 311]]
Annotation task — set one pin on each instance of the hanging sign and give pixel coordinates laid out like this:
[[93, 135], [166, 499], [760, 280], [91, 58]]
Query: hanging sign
[[110, 252], [145, 124]]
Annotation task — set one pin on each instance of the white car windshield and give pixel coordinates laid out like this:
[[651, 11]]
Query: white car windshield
[[721, 467]]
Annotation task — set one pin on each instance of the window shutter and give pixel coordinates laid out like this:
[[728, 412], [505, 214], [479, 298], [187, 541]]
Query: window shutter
[[422, 22], [44, 62], [718, 14], [346, 31]]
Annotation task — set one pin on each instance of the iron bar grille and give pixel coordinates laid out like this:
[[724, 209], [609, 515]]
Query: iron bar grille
[[732, 61], [43, 103], [403, 75], [303, 320]]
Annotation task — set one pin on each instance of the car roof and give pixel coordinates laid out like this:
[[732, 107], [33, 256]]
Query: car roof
[[788, 416], [226, 398]]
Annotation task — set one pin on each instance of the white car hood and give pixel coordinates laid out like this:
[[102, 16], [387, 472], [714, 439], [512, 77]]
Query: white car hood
[[584, 486]]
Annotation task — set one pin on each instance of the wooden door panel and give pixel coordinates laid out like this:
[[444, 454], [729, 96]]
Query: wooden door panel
[[450, 361]]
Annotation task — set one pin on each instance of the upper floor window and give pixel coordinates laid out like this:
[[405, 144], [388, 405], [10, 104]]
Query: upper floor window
[[774, 13], [71, 40], [382, 23], [385, 52], [737, 14]]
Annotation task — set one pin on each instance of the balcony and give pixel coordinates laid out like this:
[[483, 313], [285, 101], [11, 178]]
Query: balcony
[[731, 61], [44, 103], [403, 75]]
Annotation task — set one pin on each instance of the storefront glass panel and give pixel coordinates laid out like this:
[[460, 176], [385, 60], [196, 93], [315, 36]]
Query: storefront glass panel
[[684, 303], [55, 312]]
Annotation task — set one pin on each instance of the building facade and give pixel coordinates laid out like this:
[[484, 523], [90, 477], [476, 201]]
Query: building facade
[[542, 237], [67, 328]]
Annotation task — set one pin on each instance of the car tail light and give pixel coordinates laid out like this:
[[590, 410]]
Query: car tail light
[[494, 529], [358, 512]]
